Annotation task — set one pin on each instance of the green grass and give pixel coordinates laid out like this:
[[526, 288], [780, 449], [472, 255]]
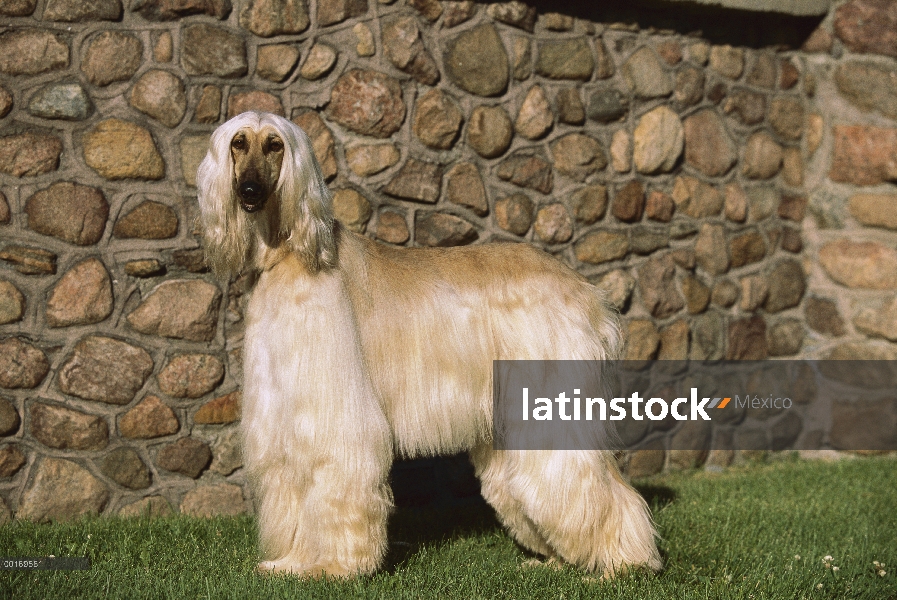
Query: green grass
[[735, 534]]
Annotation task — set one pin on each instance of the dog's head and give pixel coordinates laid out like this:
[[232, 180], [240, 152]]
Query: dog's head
[[261, 190]]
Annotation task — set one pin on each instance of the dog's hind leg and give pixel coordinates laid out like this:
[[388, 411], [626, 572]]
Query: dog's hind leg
[[574, 504]]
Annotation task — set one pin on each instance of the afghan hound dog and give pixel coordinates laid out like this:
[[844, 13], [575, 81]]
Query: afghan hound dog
[[356, 351]]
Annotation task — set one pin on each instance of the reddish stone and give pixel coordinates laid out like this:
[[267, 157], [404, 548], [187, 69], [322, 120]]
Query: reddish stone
[[63, 428], [151, 418], [105, 370], [254, 100], [72, 212], [868, 26], [864, 155], [225, 409], [191, 375], [21, 364], [29, 154], [708, 146], [747, 339], [629, 203], [367, 102]]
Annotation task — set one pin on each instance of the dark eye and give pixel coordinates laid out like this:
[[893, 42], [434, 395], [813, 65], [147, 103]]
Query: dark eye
[[238, 143], [275, 145]]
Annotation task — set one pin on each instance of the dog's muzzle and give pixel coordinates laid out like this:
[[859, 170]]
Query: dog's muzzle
[[252, 196]]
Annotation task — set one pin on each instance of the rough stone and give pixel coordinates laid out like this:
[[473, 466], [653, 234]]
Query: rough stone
[[658, 289], [514, 13], [607, 105], [618, 286], [82, 296], [112, 56], [455, 13], [787, 283], [319, 62], [863, 424], [746, 248], [11, 460], [578, 156], [441, 230], [267, 18], [629, 202], [874, 210], [535, 118], [674, 341], [254, 100], [351, 209], [522, 64], [365, 45], [221, 500], [67, 101], [620, 151], [695, 198], [589, 203], [150, 418], [527, 171], [786, 115], [465, 187], [747, 339], [763, 73], [12, 303], [321, 141], [867, 26], [124, 466], [370, 159], [275, 62], [646, 76], [708, 147], [64, 428], [869, 86], [793, 208], [182, 309], [642, 340], [170, 10], [29, 261], [791, 240], [17, 8], [748, 106], [86, 373], [148, 507], [32, 51], [72, 11], [599, 247], [659, 207], [193, 149], [163, 47], [878, 321], [21, 364], [711, 252], [659, 139], [570, 107], [476, 61], [864, 155], [119, 149], [69, 211], [785, 338], [490, 131], [227, 455], [697, 295], [225, 409], [150, 220], [191, 375], [793, 167], [4, 210], [647, 461], [392, 228], [405, 49], [553, 224], [514, 213], [762, 202], [868, 265], [210, 50], [331, 12], [437, 120], [367, 102], [646, 240], [762, 157], [187, 456], [144, 268], [416, 180], [29, 154], [689, 87], [61, 490], [208, 108], [160, 95], [727, 61], [565, 59]]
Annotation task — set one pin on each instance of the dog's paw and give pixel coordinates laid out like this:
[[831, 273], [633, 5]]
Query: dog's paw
[[302, 570], [553, 563]]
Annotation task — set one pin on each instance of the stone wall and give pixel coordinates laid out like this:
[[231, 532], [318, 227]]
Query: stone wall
[[733, 201]]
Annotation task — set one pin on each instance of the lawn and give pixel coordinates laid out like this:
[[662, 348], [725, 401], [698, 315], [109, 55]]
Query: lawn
[[759, 531]]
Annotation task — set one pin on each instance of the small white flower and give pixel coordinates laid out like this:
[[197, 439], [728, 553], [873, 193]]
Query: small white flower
[[818, 586], [835, 569], [882, 573], [797, 557], [827, 558]]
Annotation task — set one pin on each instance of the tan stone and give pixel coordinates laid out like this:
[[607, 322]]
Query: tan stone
[[320, 60], [642, 340], [275, 62], [105, 370], [553, 224], [179, 308], [578, 156], [392, 228], [659, 139], [437, 120], [61, 490], [254, 100], [620, 151], [221, 500], [69, 211], [29, 154], [875, 210], [602, 246], [32, 51], [727, 61], [150, 418], [351, 209], [191, 375], [868, 265], [161, 95], [535, 118], [762, 157], [112, 56], [12, 303], [514, 213], [225, 409], [64, 428], [82, 296], [711, 252], [119, 149], [370, 159], [465, 188], [21, 364], [695, 198], [490, 131], [365, 45], [193, 150]]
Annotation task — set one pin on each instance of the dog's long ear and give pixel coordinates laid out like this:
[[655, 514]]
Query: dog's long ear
[[306, 209], [226, 232]]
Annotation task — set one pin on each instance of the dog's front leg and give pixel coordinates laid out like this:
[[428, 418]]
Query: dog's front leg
[[317, 446]]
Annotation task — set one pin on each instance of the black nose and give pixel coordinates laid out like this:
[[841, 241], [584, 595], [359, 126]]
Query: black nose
[[251, 192]]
